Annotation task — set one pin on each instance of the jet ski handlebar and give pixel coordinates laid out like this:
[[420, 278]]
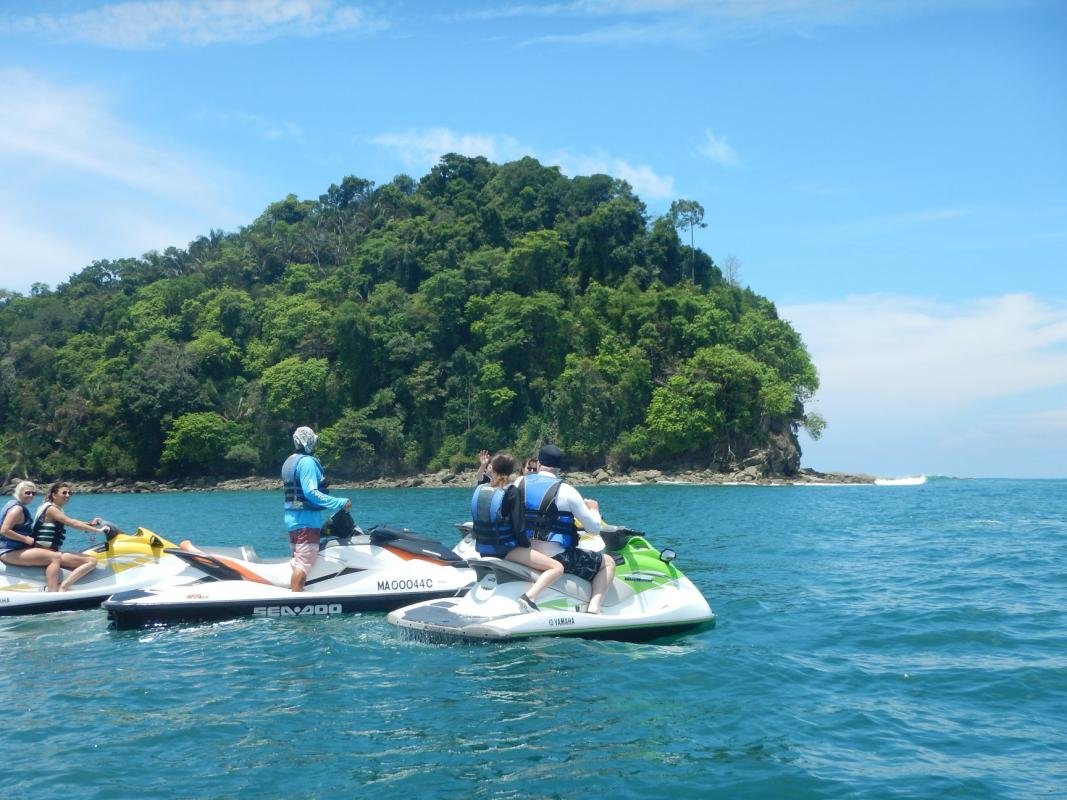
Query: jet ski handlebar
[[616, 536]]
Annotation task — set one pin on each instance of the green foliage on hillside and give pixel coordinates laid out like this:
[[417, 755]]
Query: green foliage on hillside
[[411, 324]]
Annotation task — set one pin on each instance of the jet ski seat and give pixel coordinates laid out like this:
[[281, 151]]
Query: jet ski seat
[[513, 570], [244, 552], [414, 543]]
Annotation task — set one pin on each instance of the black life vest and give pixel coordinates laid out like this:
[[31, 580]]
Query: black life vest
[[49, 535]]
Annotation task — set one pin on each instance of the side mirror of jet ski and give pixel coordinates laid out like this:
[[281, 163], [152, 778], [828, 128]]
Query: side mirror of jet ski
[[667, 556]]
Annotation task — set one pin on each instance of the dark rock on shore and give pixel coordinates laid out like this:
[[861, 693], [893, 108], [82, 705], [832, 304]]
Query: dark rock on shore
[[751, 471]]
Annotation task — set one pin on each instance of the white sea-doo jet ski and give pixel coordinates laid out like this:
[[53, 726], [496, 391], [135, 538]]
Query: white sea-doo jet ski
[[380, 570], [648, 599], [124, 561]]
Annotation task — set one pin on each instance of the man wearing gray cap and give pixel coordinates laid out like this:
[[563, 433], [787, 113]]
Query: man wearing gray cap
[[552, 509], [304, 503]]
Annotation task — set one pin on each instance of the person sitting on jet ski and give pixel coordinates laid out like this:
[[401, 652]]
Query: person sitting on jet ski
[[50, 528], [552, 508], [305, 501], [17, 545], [499, 531]]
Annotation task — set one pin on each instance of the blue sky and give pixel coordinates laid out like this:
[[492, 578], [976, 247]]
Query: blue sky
[[891, 174]]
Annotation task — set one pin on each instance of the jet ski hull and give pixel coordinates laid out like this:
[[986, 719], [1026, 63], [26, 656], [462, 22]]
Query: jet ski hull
[[124, 562], [440, 620], [149, 608], [372, 572], [649, 599]]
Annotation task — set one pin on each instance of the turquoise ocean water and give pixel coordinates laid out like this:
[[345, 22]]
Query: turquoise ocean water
[[871, 642]]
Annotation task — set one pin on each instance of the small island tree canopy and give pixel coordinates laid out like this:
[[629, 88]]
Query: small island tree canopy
[[483, 305]]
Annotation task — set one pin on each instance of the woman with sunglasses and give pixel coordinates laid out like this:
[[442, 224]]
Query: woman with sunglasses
[[50, 529], [17, 546]]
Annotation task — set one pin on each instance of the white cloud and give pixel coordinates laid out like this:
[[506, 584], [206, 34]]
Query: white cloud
[[72, 129], [718, 150], [79, 184], [422, 149], [646, 182], [155, 23], [952, 384], [668, 32], [687, 22]]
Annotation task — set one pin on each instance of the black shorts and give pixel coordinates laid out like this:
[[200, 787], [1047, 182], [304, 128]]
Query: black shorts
[[584, 564]]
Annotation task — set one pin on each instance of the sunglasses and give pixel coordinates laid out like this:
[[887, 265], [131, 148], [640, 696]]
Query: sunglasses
[[65, 494]]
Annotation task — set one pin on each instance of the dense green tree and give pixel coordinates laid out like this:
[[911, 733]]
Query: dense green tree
[[198, 443], [295, 389], [483, 305]]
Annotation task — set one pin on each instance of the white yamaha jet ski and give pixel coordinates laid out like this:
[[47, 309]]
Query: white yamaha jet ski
[[124, 561], [648, 599], [380, 570]]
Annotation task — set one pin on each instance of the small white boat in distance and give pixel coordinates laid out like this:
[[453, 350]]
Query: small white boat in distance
[[913, 480]]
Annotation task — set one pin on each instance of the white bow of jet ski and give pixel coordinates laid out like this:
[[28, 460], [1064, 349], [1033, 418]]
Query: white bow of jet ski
[[124, 561], [649, 598], [380, 570]]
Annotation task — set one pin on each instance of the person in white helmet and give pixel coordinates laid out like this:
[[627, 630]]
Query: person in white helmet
[[304, 503]]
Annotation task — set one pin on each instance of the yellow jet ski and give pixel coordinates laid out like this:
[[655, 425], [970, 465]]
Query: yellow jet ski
[[124, 561]]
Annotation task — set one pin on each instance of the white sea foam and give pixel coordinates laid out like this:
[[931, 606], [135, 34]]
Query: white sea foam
[[912, 480]]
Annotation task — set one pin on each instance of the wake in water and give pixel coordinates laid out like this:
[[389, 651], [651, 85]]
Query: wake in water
[[913, 480]]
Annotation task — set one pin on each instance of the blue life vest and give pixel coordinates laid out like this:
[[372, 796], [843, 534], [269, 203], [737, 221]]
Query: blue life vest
[[494, 533], [24, 527], [294, 492], [544, 520], [49, 535]]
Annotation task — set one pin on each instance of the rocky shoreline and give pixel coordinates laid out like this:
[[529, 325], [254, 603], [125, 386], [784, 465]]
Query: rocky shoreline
[[447, 478]]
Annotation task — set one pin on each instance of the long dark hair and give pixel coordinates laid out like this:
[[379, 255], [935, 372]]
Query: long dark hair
[[51, 496]]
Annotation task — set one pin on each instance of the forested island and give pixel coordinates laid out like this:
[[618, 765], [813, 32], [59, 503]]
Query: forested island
[[411, 324]]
